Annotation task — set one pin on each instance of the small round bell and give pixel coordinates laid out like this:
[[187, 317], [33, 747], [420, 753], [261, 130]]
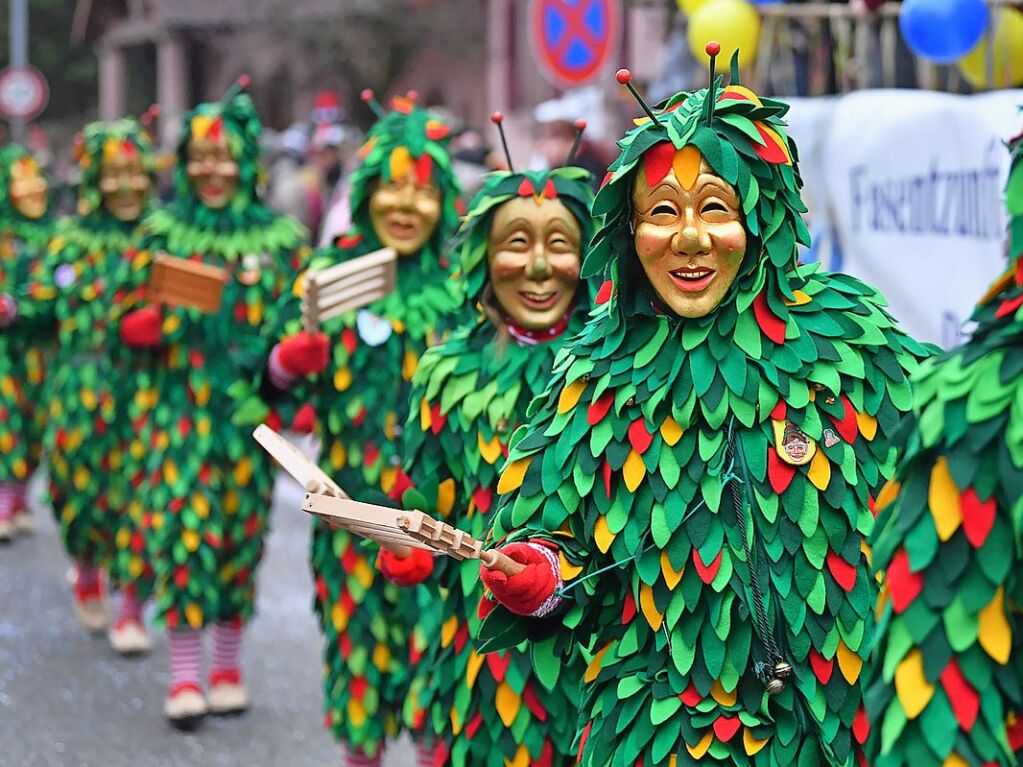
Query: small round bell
[[782, 670], [774, 685]]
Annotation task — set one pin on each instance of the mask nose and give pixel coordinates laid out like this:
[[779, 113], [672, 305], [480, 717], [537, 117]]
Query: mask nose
[[692, 239], [539, 265]]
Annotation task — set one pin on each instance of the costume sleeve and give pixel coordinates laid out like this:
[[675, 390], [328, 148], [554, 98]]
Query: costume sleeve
[[49, 276]]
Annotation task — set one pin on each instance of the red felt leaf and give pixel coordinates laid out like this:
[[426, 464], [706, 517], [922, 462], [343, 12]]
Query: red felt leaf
[[349, 339], [779, 473], [350, 240], [498, 663], [903, 585], [604, 294], [606, 472], [773, 152], [628, 609], [780, 410], [549, 191], [725, 727], [822, 667], [546, 755], [358, 687], [533, 703], [483, 497], [1009, 306], [526, 188], [437, 131], [1014, 733], [872, 505], [846, 427], [437, 419], [772, 326], [474, 725], [401, 484], [599, 408], [861, 726], [216, 129], [607, 177], [345, 644], [582, 740], [461, 637], [305, 419], [486, 606], [961, 694], [639, 437], [691, 697], [843, 572], [978, 516], [424, 169], [706, 572], [657, 161]]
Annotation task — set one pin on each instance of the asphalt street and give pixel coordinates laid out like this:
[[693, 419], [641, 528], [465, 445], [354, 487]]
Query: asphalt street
[[66, 700]]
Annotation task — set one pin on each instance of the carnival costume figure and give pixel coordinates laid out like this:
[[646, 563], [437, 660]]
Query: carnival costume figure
[[691, 495]]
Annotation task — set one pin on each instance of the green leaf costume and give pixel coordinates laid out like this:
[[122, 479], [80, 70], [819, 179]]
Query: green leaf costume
[[657, 462], [469, 394], [361, 402], [22, 358], [948, 539], [208, 489], [95, 456]]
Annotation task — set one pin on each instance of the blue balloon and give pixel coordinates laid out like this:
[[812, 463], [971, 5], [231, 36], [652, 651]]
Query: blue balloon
[[943, 30]]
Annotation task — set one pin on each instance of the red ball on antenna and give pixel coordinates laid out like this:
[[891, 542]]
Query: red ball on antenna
[[623, 76], [244, 81], [367, 94], [497, 118], [412, 95], [713, 48], [580, 125]]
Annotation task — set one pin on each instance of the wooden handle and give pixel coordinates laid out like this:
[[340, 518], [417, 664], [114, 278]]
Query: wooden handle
[[402, 552], [496, 560]]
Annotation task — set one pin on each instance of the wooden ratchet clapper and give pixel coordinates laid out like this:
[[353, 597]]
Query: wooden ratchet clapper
[[191, 284], [347, 286], [397, 530]]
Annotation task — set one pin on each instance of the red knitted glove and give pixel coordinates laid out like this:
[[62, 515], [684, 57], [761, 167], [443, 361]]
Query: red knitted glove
[[304, 353], [406, 571], [142, 328], [533, 591]]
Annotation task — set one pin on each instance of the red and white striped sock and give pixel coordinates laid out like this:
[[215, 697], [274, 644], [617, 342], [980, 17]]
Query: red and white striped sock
[[87, 582], [185, 660], [356, 757], [131, 608], [425, 754], [20, 493], [227, 643], [10, 494]]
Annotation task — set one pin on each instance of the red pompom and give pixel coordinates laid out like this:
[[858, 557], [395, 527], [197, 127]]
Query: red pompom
[[304, 353], [406, 571]]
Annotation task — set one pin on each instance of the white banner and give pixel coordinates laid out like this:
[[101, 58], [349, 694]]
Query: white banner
[[911, 182]]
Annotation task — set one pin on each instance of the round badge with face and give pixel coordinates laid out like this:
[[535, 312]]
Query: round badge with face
[[689, 234], [211, 168], [533, 254], [123, 180], [404, 213], [28, 188]]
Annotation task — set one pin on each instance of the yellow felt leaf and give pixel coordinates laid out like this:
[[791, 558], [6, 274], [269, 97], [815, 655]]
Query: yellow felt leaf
[[671, 432], [700, 748], [888, 493], [201, 126], [568, 570], [593, 669], [994, 633], [513, 474], [723, 697], [409, 365], [911, 686], [447, 631], [633, 471], [602, 534], [491, 451], [521, 758], [820, 470], [943, 500], [650, 611], [954, 760], [671, 575], [849, 662], [401, 162], [798, 299], [381, 656], [570, 395], [445, 497], [867, 424], [472, 668], [424, 414], [456, 723], [356, 712], [508, 704], [687, 165], [191, 539], [750, 743], [193, 615], [363, 573], [342, 378]]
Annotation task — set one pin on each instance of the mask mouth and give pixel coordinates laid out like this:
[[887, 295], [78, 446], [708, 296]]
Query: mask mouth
[[403, 227], [539, 300], [693, 278]]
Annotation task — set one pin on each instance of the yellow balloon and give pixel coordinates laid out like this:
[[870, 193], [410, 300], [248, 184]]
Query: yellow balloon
[[688, 7], [733, 23], [1008, 70]]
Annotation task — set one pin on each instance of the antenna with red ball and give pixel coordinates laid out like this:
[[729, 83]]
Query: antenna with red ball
[[148, 121], [624, 77], [498, 119], [412, 95], [239, 86], [713, 49], [370, 100], [580, 127]]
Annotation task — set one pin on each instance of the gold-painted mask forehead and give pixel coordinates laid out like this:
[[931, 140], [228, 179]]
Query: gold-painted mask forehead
[[534, 258], [123, 180], [27, 188], [405, 210], [211, 168]]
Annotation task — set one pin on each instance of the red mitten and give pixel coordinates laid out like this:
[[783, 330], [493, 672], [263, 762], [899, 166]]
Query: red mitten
[[531, 591], [142, 328], [406, 571], [303, 353]]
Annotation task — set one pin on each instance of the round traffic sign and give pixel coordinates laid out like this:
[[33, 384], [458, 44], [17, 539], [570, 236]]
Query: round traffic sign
[[574, 39], [23, 93]]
